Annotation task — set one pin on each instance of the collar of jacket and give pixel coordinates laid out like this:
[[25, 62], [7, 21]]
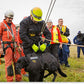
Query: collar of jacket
[[58, 26], [6, 22]]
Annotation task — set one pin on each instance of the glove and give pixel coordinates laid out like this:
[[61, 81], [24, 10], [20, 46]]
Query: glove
[[47, 42], [35, 47], [61, 32], [43, 47]]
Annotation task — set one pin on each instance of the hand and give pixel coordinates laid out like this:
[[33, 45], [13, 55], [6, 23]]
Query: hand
[[35, 47], [43, 39], [61, 32], [60, 46], [43, 47], [1, 50]]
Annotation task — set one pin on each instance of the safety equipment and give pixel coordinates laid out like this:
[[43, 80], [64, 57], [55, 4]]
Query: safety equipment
[[43, 47], [64, 38], [35, 47], [49, 20], [36, 14], [54, 34], [52, 3], [9, 14]]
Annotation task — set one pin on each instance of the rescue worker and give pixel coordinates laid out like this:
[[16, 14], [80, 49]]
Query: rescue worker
[[30, 32], [56, 37], [78, 42], [10, 46], [64, 34]]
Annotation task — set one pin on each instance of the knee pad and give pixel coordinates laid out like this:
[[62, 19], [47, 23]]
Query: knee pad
[[10, 70]]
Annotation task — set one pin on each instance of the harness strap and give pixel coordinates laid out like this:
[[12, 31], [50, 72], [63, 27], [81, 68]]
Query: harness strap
[[8, 31], [9, 45]]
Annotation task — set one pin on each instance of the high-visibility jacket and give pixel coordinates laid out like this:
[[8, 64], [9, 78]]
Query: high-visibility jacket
[[5, 32], [56, 36], [64, 38]]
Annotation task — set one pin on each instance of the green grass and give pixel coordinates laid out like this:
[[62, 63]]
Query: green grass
[[75, 73]]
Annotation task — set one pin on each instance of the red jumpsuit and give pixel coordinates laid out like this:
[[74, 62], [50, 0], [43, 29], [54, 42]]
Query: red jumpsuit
[[0, 54], [11, 53]]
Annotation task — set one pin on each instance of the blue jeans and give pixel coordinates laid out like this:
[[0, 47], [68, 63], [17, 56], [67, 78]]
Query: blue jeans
[[78, 51], [63, 54]]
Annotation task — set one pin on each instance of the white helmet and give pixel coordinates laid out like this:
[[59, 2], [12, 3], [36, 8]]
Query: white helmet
[[9, 14], [49, 20]]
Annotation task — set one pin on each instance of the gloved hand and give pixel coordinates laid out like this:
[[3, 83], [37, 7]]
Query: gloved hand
[[43, 47], [35, 47], [61, 32]]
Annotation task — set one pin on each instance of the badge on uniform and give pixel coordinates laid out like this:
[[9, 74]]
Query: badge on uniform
[[34, 61], [32, 35]]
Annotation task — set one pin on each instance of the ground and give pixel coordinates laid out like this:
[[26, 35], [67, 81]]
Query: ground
[[75, 73]]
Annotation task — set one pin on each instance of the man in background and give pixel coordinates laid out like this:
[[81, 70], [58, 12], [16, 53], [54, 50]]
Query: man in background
[[79, 41], [64, 34], [56, 39]]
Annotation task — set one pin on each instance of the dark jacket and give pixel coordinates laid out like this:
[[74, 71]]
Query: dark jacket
[[30, 32], [79, 39], [67, 33]]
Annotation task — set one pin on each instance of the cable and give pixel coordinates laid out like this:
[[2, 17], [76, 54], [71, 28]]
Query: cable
[[52, 3], [62, 43]]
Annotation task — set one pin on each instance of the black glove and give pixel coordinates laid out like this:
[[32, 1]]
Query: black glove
[[47, 42], [61, 32]]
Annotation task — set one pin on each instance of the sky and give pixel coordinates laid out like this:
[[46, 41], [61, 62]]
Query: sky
[[72, 12]]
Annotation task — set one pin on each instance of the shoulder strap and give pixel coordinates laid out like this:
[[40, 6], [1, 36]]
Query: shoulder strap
[[8, 31]]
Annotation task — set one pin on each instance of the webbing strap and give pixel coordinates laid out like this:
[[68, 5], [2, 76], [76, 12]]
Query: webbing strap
[[8, 31]]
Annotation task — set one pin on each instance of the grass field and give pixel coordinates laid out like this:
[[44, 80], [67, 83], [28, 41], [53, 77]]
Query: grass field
[[75, 73]]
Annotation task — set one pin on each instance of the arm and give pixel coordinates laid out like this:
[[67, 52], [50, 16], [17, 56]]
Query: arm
[[75, 40], [23, 33], [67, 33], [20, 41], [47, 34]]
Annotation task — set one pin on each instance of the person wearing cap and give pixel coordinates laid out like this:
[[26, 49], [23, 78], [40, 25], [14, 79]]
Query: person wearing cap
[[10, 46], [30, 32], [64, 30], [78, 42], [56, 39]]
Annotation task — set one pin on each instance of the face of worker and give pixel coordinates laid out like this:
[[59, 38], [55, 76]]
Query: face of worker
[[49, 24], [33, 20], [60, 22], [8, 20]]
